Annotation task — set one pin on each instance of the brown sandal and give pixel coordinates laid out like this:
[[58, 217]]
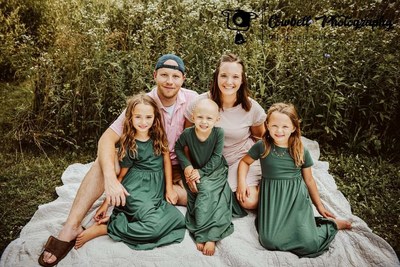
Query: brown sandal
[[56, 247]]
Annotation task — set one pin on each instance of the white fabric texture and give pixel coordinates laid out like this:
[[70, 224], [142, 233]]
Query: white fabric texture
[[357, 247]]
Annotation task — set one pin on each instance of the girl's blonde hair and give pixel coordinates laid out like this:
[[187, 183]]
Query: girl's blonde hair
[[156, 131], [296, 149]]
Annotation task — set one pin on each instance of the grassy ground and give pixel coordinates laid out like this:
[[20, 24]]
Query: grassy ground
[[28, 179], [372, 186]]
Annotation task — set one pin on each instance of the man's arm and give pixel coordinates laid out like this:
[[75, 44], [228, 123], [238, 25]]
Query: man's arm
[[115, 192]]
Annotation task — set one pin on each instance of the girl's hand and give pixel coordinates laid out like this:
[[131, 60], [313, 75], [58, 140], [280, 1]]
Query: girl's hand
[[171, 196], [192, 186], [101, 212], [242, 192], [326, 214], [104, 220]]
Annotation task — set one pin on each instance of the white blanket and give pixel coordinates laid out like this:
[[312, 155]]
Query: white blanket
[[357, 247]]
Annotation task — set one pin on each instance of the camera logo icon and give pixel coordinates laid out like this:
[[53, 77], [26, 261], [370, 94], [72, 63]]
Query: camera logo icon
[[238, 20]]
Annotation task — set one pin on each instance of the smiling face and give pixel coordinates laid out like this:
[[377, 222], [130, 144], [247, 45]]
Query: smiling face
[[142, 118], [280, 127], [169, 82], [229, 78], [205, 116]]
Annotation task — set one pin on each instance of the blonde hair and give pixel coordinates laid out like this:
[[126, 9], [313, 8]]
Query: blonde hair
[[156, 132], [296, 148]]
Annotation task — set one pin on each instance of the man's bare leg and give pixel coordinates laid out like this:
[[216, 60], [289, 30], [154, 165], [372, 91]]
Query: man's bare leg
[[91, 188]]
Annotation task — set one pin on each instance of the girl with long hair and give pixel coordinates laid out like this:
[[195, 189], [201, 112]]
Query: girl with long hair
[[285, 218], [147, 220]]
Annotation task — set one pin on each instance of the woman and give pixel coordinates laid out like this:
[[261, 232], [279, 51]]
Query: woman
[[242, 119]]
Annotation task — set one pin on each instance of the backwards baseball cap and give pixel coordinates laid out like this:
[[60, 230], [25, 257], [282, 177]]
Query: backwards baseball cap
[[161, 63]]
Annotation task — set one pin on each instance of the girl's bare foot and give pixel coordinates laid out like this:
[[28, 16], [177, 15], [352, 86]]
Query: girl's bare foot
[[342, 224], [92, 232], [67, 233], [200, 246], [209, 248]]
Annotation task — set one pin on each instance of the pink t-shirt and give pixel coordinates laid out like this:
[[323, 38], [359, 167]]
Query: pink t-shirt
[[173, 125]]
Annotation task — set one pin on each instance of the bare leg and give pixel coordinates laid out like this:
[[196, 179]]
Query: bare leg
[[89, 191], [209, 248], [342, 224], [251, 202], [93, 231], [200, 246]]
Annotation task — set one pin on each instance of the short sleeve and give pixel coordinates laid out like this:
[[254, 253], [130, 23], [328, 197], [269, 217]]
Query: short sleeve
[[126, 161], [308, 162], [259, 114], [256, 150], [118, 125]]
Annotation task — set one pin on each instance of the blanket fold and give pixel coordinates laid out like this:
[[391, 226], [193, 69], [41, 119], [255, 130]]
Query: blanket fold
[[357, 247]]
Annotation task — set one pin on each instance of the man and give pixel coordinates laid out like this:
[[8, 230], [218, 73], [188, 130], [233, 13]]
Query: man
[[172, 99]]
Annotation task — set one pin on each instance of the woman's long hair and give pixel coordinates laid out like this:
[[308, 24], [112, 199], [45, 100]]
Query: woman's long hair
[[156, 132], [296, 149], [243, 93]]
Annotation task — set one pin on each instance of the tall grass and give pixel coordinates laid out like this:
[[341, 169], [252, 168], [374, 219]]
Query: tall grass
[[66, 68], [85, 62]]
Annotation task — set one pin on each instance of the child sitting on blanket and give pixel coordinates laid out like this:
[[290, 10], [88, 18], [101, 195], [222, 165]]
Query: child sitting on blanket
[[147, 220], [209, 205], [285, 216]]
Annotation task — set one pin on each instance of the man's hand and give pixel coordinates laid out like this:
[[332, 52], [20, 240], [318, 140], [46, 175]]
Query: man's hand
[[115, 192]]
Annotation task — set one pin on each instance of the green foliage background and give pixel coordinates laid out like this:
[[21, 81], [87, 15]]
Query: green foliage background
[[84, 57], [68, 66]]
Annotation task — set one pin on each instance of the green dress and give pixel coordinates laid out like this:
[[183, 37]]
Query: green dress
[[147, 220], [285, 219], [209, 212]]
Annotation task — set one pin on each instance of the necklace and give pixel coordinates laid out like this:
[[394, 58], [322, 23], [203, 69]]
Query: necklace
[[278, 154]]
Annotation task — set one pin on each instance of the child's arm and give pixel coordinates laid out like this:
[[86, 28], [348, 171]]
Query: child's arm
[[184, 161], [313, 191], [243, 191], [170, 195], [216, 157]]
